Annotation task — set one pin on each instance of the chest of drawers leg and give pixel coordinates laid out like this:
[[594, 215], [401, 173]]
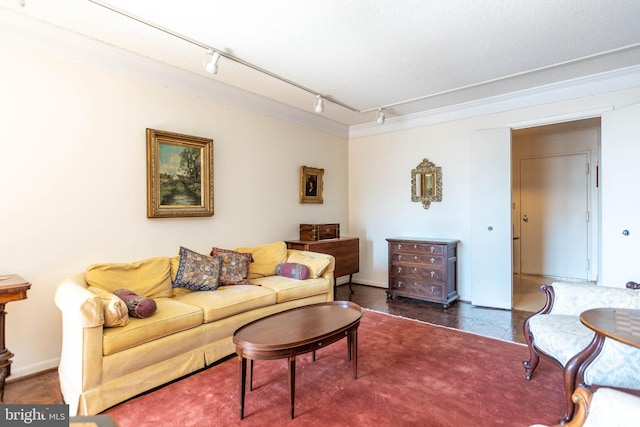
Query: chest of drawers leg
[[424, 269]]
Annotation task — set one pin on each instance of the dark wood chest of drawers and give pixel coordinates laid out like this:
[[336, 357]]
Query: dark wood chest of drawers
[[424, 269]]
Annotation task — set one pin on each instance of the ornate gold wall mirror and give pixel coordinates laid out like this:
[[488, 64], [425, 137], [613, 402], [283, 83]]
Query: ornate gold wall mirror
[[426, 183]]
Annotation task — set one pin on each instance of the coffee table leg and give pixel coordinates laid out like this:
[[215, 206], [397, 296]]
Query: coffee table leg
[[250, 374], [354, 352], [292, 382], [241, 381]]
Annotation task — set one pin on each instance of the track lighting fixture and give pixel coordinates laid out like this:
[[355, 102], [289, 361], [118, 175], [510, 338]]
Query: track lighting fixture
[[380, 116], [211, 61], [318, 107]]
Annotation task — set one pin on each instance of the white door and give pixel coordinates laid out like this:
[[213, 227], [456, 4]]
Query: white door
[[620, 184], [491, 236], [554, 216]]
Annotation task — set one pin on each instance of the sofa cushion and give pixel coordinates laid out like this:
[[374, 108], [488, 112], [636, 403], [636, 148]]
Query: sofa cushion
[[617, 365], [574, 298], [293, 270], [234, 268], [197, 272], [171, 317], [288, 289], [265, 258], [560, 336], [227, 301], [114, 309], [137, 306], [316, 265], [150, 278], [611, 407]]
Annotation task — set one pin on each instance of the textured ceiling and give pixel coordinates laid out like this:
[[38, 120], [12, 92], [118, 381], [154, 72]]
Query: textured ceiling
[[405, 55]]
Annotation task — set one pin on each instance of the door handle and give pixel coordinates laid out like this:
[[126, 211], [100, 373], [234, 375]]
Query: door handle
[[525, 218]]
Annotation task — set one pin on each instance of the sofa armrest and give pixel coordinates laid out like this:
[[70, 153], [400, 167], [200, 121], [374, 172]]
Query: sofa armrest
[[632, 285], [328, 272], [78, 304], [573, 298], [80, 367]]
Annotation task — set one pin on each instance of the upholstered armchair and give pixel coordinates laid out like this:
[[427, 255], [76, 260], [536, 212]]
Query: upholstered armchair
[[605, 407], [556, 333]]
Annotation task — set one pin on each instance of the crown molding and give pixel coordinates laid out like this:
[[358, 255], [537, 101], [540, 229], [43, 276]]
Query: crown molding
[[23, 30], [50, 39], [596, 84]]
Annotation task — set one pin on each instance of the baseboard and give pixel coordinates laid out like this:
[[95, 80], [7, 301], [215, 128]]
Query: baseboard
[[36, 368], [363, 282]]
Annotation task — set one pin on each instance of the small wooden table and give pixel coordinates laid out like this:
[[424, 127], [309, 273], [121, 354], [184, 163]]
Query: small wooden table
[[616, 323], [12, 288], [296, 331]]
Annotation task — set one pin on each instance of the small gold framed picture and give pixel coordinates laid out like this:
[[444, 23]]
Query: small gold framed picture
[[179, 175], [311, 184]]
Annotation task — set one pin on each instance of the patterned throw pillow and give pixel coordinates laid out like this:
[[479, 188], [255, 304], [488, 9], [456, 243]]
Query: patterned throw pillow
[[234, 268], [293, 270], [137, 305], [197, 272]]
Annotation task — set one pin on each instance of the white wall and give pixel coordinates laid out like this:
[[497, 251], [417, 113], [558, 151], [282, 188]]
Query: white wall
[[379, 183], [73, 179]]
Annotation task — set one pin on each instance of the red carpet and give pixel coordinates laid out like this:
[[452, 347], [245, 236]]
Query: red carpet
[[410, 373]]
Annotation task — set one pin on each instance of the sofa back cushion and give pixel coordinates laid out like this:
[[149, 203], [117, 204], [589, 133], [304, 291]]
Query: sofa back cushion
[[574, 298], [265, 258], [150, 278]]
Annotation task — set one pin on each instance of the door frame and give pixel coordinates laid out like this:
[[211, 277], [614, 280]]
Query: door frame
[[592, 203]]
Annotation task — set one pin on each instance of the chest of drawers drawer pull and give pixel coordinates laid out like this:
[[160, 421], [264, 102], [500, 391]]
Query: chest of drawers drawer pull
[[433, 289], [432, 249], [433, 273], [432, 260]]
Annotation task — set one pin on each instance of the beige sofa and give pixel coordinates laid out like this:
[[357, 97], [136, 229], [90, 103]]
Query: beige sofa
[[102, 366]]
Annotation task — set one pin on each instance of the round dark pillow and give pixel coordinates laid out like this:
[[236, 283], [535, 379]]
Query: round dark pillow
[[137, 305]]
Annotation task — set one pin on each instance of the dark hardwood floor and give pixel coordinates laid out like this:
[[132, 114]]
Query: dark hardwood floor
[[43, 388]]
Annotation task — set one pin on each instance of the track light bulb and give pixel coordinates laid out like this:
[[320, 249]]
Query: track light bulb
[[211, 62], [319, 105], [380, 116]]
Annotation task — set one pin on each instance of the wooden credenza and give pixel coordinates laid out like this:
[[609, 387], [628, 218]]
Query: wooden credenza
[[346, 251], [424, 269]]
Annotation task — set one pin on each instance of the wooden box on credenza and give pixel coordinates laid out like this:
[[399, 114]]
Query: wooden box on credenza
[[319, 231]]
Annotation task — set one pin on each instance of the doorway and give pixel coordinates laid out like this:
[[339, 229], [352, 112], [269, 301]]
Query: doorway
[[555, 207]]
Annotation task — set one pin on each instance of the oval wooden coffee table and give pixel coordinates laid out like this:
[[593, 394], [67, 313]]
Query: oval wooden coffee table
[[296, 331]]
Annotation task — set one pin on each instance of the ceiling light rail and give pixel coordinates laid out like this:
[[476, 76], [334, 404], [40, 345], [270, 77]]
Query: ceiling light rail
[[213, 55]]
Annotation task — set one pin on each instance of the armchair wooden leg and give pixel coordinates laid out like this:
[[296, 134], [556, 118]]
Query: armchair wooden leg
[[574, 370], [531, 364]]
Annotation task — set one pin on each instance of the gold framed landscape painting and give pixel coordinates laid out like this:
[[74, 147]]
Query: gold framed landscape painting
[[179, 175], [311, 182]]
